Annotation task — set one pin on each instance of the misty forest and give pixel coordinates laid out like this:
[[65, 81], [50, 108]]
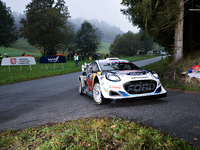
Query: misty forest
[[168, 25]]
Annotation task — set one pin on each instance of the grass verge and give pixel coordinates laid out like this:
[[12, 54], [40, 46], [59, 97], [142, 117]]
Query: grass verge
[[94, 133], [171, 73]]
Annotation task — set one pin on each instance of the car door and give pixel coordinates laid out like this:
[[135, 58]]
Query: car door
[[91, 73]]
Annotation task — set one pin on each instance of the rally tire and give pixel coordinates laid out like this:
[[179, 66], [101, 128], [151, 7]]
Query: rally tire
[[97, 95], [80, 88]]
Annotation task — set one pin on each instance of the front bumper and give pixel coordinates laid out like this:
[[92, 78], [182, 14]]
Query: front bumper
[[116, 90]]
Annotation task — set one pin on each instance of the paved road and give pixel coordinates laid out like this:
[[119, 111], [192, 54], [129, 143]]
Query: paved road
[[145, 62], [56, 99]]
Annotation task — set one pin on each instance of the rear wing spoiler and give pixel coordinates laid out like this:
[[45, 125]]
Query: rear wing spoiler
[[85, 66]]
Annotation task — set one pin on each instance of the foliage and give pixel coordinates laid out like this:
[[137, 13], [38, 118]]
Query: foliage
[[45, 25], [157, 18], [129, 43], [92, 133], [8, 35], [104, 48], [88, 38], [146, 41], [171, 73], [191, 38]]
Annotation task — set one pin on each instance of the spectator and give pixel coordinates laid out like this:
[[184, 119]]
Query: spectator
[[5, 55], [76, 58], [23, 54], [87, 56], [71, 55], [1, 57], [68, 56], [106, 56], [93, 55], [97, 56], [83, 55]]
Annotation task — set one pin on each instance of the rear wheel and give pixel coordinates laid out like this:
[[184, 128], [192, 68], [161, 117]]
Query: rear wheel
[[97, 95], [80, 88]]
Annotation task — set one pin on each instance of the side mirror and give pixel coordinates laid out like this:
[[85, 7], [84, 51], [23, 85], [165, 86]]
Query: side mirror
[[84, 73]]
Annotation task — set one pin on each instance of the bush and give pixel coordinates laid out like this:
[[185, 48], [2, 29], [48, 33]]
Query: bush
[[175, 74]]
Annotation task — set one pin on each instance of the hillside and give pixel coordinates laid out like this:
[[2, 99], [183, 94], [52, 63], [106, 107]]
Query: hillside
[[22, 46], [109, 31]]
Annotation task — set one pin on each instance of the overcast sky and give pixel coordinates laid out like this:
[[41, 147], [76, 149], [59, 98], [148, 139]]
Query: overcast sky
[[103, 10]]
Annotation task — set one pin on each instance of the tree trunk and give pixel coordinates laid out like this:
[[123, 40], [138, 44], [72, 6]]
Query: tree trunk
[[178, 43]]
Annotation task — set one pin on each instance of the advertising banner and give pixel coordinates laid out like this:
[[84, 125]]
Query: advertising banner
[[53, 59], [11, 61]]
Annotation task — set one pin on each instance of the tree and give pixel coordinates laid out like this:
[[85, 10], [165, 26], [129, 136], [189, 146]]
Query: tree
[[178, 43], [146, 41], [191, 37], [88, 38], [46, 26], [126, 45], [8, 34], [158, 18]]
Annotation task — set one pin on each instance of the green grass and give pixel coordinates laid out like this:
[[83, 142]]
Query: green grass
[[13, 52], [18, 48], [24, 46], [94, 133], [24, 73]]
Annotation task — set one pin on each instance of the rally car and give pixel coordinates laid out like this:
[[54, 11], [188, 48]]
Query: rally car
[[113, 79]]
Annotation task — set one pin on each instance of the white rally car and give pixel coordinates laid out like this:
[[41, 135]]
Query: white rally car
[[113, 79]]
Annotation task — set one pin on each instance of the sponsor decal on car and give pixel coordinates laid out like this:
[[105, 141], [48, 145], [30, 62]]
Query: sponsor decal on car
[[114, 87], [113, 61], [133, 72]]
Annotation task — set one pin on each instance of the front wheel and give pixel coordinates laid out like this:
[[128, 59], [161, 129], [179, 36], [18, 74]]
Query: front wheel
[[97, 95], [80, 89]]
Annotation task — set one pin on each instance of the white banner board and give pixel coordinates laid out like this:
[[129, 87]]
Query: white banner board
[[11, 61]]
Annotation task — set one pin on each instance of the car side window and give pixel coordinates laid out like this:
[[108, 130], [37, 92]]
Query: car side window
[[95, 67], [89, 69]]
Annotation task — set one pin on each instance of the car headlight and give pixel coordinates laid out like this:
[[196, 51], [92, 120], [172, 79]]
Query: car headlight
[[155, 74], [112, 77]]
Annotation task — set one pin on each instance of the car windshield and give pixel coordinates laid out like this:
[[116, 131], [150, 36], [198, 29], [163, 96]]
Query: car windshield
[[109, 66]]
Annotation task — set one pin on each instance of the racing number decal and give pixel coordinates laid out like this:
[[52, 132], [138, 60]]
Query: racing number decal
[[90, 81]]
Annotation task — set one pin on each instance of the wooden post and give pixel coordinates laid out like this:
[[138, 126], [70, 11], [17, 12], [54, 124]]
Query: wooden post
[[46, 66], [9, 68], [54, 65], [20, 67], [30, 68]]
